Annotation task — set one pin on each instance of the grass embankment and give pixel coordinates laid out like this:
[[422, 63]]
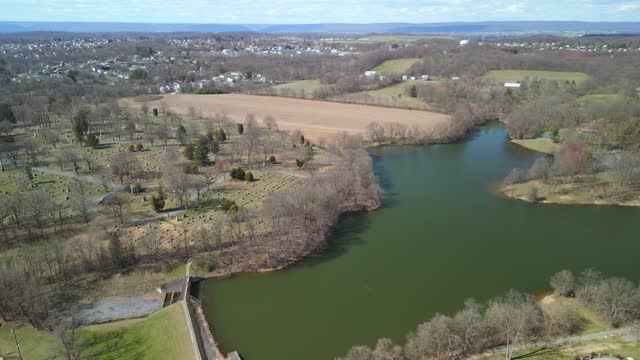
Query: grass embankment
[[591, 323], [520, 75], [616, 345], [395, 66], [162, 335], [540, 145], [35, 345]]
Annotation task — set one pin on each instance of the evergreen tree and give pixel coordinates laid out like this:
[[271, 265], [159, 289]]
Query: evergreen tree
[[189, 151], [413, 91], [115, 251], [91, 140], [80, 125], [158, 201], [28, 173], [201, 150], [6, 114], [181, 135], [240, 129]]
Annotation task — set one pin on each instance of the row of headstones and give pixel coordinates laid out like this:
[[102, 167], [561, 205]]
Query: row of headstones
[[598, 356]]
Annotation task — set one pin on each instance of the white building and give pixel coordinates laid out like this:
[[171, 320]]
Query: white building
[[512, 85], [464, 42]]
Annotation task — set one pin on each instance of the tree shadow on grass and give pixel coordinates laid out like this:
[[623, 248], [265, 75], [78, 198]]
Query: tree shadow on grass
[[114, 345], [544, 352]]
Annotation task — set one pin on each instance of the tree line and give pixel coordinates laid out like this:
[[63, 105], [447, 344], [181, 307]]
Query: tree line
[[508, 322]]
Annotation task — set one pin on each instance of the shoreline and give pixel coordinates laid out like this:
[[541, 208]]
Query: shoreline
[[504, 191], [507, 191], [210, 333]]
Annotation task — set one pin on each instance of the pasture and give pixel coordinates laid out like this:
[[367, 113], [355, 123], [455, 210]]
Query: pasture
[[302, 88], [395, 66], [521, 75], [393, 96], [316, 119], [598, 98]]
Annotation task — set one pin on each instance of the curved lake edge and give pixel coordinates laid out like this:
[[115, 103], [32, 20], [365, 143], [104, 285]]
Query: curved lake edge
[[403, 175], [507, 191]]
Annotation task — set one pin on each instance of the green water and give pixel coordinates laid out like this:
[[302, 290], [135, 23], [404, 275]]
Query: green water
[[441, 237]]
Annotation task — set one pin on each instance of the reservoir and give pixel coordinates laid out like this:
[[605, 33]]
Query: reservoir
[[441, 236]]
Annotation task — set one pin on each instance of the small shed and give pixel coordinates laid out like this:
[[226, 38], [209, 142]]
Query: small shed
[[512, 85]]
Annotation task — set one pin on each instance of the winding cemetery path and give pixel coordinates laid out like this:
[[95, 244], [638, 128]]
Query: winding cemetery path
[[86, 178]]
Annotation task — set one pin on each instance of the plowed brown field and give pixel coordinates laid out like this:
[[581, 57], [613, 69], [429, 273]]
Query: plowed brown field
[[315, 119]]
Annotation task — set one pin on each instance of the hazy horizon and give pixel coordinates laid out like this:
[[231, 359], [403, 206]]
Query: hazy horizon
[[317, 11]]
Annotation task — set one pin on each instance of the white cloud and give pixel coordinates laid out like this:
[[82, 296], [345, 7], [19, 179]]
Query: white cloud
[[628, 7], [514, 8]]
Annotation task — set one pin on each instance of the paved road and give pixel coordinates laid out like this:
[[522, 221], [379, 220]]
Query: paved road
[[187, 315]]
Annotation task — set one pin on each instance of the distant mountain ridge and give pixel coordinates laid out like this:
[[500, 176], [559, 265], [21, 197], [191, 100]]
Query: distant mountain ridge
[[339, 28]]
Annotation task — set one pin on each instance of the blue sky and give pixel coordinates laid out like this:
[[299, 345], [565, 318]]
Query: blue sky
[[316, 11]]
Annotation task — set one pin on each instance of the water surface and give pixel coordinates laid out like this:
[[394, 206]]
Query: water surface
[[440, 238]]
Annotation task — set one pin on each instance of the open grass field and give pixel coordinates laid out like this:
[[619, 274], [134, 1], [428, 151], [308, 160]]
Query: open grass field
[[395, 66], [306, 87], [394, 96], [540, 145], [316, 119], [162, 335], [520, 75], [598, 98]]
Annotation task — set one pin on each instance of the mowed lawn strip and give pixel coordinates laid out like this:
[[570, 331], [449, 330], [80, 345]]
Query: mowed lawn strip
[[395, 66], [520, 75]]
